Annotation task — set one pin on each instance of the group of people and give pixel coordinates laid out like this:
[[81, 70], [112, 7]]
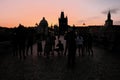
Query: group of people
[[76, 42], [22, 41]]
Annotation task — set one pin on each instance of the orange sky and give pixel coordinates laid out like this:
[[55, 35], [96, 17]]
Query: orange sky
[[30, 12]]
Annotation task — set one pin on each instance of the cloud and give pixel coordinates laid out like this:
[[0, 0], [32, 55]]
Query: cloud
[[113, 10], [94, 17]]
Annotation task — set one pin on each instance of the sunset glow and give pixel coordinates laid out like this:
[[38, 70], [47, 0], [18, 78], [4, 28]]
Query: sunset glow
[[30, 12]]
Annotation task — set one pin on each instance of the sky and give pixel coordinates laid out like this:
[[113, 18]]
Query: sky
[[30, 12]]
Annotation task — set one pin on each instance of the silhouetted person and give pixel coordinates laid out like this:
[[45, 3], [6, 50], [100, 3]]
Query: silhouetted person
[[39, 44], [60, 48], [89, 44], [71, 44], [29, 42], [21, 38], [66, 44], [39, 47], [79, 43], [53, 38], [85, 45], [48, 46], [14, 44]]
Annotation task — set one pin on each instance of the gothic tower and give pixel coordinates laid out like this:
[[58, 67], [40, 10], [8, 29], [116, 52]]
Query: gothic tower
[[63, 23], [109, 21]]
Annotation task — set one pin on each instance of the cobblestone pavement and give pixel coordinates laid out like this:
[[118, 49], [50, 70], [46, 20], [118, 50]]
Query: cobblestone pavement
[[102, 66]]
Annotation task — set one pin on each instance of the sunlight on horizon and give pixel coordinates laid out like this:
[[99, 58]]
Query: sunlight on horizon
[[29, 12]]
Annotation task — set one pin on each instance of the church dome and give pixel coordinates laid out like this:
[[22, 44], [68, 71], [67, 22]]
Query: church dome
[[43, 22]]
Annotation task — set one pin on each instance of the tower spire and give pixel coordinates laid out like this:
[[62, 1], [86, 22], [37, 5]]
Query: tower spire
[[109, 21], [109, 15], [62, 14], [63, 23]]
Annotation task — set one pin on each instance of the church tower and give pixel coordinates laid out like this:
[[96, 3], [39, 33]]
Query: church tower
[[63, 23], [109, 21], [43, 28]]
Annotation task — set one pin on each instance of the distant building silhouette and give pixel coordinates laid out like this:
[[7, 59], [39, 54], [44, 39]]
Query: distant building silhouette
[[63, 23], [109, 21], [107, 35], [43, 27]]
